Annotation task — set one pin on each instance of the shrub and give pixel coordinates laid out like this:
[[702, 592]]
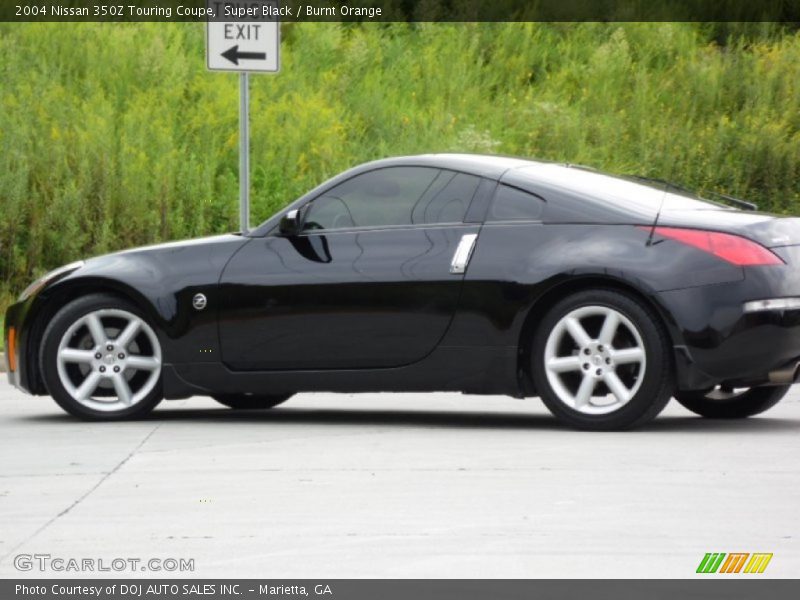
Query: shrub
[[117, 135]]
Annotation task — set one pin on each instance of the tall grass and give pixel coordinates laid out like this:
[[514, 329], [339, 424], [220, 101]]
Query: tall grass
[[113, 135]]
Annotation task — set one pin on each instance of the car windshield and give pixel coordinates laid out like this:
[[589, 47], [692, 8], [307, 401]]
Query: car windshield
[[632, 193]]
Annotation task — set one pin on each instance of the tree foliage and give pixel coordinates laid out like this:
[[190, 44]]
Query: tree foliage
[[115, 135]]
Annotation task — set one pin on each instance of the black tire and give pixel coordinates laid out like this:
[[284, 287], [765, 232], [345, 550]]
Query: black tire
[[656, 386], [56, 329], [745, 404], [246, 402]]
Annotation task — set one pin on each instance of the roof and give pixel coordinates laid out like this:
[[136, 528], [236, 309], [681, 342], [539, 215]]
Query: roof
[[485, 165], [629, 194]]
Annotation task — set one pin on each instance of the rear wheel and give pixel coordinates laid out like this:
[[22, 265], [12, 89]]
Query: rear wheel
[[101, 359], [721, 403], [601, 361], [246, 402]]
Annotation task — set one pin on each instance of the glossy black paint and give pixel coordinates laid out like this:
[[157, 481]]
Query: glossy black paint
[[371, 309], [362, 299]]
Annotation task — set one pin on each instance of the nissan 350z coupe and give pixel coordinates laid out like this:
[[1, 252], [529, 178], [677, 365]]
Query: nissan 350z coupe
[[602, 295]]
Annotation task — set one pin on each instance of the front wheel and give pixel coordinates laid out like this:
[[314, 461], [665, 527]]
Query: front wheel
[[251, 402], [101, 359], [721, 403], [601, 361]]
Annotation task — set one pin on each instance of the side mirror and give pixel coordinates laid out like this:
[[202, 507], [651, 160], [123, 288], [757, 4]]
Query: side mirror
[[290, 223]]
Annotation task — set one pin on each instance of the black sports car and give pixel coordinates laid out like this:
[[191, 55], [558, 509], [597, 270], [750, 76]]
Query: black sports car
[[602, 295]]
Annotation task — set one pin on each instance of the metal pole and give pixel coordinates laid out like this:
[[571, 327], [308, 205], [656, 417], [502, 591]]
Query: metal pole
[[244, 152]]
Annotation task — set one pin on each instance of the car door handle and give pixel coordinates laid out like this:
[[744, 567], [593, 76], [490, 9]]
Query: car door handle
[[463, 253]]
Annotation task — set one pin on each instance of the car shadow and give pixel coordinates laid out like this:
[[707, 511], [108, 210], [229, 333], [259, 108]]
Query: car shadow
[[436, 419]]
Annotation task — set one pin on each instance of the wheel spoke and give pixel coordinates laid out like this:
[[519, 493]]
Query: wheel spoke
[[123, 389], [584, 394], [127, 335], [616, 386], [143, 363], [96, 329], [562, 364], [88, 386], [628, 355], [609, 329], [577, 331], [73, 355]]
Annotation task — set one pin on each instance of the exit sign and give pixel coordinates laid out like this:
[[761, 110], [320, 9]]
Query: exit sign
[[248, 42]]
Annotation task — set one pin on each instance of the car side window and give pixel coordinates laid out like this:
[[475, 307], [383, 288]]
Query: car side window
[[328, 212], [512, 204], [377, 198], [447, 199]]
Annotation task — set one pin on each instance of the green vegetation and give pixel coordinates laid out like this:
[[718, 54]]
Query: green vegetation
[[116, 135]]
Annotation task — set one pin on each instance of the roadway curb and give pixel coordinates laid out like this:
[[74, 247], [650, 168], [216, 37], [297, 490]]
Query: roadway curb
[[2, 362]]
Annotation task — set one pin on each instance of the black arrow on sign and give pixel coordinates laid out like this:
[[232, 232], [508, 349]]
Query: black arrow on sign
[[233, 55]]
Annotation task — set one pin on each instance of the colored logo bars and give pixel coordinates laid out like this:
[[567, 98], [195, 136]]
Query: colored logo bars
[[736, 562]]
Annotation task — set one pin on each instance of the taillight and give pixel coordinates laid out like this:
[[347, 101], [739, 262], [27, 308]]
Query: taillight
[[732, 248]]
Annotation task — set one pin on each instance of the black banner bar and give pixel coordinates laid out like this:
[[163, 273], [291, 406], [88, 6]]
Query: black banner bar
[[786, 11]]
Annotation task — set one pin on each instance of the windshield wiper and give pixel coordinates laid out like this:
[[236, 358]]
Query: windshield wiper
[[744, 204], [665, 183], [738, 202]]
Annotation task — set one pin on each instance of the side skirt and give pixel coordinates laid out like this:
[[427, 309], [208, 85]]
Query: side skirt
[[473, 370]]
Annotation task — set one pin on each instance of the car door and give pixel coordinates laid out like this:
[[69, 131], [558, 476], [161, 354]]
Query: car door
[[372, 280]]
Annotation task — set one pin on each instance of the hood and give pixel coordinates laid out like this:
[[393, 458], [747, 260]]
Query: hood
[[182, 244], [209, 254]]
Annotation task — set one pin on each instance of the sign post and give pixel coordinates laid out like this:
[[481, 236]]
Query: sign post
[[248, 44], [244, 152]]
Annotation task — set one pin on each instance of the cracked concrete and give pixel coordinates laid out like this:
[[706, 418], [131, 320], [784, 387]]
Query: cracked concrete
[[397, 485]]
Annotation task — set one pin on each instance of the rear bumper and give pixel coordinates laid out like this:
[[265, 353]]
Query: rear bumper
[[716, 341]]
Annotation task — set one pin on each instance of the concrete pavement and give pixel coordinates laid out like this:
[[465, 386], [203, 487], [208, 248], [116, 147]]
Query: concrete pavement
[[396, 485]]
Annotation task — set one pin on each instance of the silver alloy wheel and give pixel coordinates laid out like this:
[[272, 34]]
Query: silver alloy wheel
[[595, 373], [114, 365]]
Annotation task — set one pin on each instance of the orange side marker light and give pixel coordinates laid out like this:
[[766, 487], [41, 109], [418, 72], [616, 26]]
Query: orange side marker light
[[12, 349]]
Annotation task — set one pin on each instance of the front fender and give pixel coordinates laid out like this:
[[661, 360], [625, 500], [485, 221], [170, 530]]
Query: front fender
[[161, 281]]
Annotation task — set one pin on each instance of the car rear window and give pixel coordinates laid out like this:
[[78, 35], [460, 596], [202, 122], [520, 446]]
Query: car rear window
[[512, 204]]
